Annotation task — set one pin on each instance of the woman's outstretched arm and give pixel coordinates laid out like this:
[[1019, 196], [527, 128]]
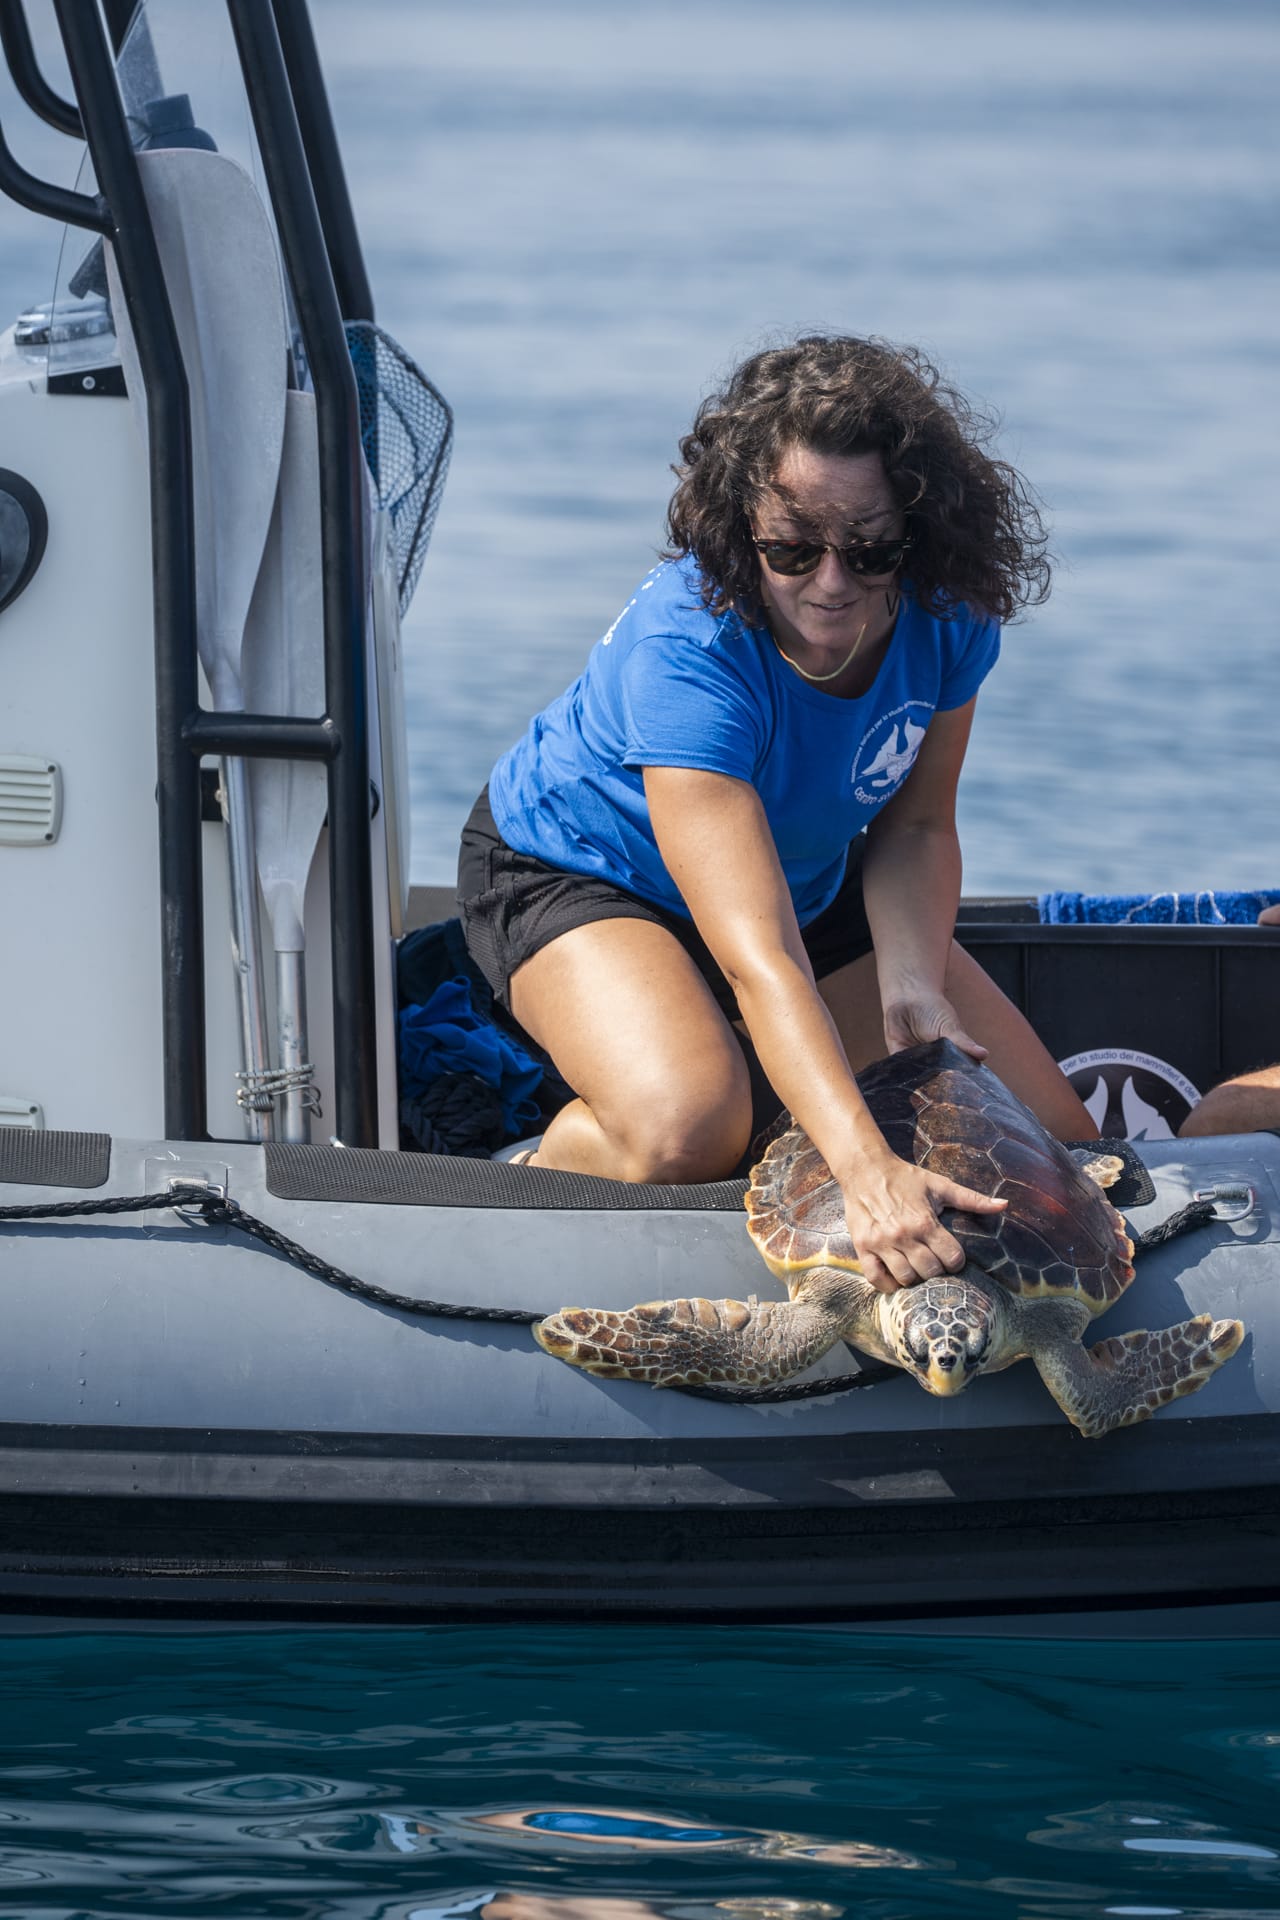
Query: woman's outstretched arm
[[714, 837]]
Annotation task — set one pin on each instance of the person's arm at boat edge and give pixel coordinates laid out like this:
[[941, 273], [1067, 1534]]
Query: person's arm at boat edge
[[714, 837], [911, 889]]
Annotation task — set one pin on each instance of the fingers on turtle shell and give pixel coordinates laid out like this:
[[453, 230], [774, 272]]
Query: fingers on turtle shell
[[671, 1343], [1135, 1374]]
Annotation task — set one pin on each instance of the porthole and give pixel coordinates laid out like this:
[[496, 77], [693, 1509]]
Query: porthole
[[24, 528]]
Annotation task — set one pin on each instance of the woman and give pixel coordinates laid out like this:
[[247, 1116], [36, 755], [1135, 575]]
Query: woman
[[744, 808]]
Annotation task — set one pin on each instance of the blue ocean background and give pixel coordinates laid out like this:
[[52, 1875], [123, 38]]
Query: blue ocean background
[[577, 217]]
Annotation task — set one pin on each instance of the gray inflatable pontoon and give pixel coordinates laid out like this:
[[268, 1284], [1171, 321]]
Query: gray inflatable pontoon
[[195, 1422]]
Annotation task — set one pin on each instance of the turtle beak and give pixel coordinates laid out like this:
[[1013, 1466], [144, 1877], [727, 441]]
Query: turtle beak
[[946, 1374]]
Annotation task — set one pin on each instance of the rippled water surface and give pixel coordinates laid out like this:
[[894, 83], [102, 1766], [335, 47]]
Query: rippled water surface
[[578, 216], [624, 1774]]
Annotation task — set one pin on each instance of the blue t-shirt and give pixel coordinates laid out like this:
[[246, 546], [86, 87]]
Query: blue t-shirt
[[671, 685]]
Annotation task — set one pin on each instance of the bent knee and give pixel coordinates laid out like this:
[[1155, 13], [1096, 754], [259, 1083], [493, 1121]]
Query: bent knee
[[680, 1138], [709, 1152]]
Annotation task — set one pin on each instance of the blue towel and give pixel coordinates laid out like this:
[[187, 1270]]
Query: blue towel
[[448, 1036], [1204, 909]]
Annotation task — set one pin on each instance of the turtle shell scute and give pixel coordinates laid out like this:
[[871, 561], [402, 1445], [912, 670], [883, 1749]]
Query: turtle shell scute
[[949, 1123], [1024, 1161], [1059, 1236], [968, 1166]]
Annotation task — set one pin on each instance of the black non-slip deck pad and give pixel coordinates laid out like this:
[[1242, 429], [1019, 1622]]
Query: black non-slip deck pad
[[367, 1177], [40, 1157], [1135, 1187]]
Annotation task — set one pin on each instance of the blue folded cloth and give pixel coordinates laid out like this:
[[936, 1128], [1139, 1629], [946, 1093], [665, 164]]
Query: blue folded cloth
[[1208, 908], [447, 1036]]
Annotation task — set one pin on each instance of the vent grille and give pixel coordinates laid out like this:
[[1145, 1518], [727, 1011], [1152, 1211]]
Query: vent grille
[[30, 801]]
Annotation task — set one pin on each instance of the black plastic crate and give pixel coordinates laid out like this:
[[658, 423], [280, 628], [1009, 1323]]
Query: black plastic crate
[[1201, 1002]]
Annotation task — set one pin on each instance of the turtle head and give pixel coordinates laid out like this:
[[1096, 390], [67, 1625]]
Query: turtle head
[[943, 1332]]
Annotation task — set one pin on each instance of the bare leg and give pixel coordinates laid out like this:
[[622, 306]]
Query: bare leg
[[1249, 1103], [1014, 1051], [663, 1092]]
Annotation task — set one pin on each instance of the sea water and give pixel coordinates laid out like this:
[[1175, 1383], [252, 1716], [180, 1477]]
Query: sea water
[[607, 1773], [577, 216]]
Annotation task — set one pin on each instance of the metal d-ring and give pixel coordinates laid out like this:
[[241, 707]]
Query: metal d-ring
[[1232, 1200]]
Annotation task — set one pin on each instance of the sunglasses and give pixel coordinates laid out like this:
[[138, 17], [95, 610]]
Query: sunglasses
[[794, 557]]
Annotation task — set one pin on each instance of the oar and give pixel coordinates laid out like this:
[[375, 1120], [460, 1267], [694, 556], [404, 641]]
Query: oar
[[284, 673], [221, 271]]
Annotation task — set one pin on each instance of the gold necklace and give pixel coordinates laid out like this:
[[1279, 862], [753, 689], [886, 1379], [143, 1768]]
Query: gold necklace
[[818, 678]]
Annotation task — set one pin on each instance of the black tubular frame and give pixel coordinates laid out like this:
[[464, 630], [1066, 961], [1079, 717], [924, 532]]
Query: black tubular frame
[[321, 254], [343, 545], [324, 159], [15, 40]]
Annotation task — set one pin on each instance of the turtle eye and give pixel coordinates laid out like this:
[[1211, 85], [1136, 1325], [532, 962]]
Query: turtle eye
[[976, 1348]]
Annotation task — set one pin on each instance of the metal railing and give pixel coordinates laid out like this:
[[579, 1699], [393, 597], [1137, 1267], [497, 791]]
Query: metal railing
[[321, 255]]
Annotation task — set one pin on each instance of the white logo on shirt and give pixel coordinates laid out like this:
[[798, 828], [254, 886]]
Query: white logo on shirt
[[887, 752]]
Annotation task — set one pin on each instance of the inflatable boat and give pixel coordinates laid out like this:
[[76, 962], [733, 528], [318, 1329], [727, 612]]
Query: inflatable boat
[[257, 1358]]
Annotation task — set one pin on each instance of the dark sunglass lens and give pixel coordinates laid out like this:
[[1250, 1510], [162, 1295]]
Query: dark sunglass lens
[[877, 556], [790, 557]]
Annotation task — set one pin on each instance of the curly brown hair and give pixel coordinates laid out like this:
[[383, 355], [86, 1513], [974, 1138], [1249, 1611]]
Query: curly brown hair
[[977, 539]]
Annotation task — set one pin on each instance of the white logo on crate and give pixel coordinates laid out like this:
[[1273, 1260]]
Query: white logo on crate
[[1129, 1095]]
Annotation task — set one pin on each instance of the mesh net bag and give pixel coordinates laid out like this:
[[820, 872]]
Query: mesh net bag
[[406, 428]]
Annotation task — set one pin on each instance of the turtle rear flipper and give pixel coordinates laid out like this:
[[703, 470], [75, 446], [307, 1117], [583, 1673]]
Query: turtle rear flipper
[[1123, 1380], [686, 1343]]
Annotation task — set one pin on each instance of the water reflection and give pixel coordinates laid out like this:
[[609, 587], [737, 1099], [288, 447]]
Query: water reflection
[[526, 1906], [651, 1832]]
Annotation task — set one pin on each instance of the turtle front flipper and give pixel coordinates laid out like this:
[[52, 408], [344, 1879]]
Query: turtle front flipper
[[1120, 1381], [688, 1343]]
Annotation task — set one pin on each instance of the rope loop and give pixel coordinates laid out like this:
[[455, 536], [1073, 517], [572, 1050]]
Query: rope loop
[[258, 1092]]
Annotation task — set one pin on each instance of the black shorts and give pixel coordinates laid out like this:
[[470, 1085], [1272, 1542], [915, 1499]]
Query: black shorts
[[511, 906]]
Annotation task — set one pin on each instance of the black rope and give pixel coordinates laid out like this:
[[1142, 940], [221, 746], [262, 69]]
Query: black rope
[[1197, 1213], [226, 1213], [868, 1376], [217, 1212], [457, 1114], [122, 1203]]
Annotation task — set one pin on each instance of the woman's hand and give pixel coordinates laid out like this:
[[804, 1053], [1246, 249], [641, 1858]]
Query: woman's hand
[[927, 1016], [892, 1216]]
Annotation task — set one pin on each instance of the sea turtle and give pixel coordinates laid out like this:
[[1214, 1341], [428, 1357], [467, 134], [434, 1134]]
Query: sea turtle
[[1035, 1277]]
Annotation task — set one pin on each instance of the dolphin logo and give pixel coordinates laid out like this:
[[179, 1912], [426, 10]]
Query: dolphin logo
[[895, 758], [1141, 1121]]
